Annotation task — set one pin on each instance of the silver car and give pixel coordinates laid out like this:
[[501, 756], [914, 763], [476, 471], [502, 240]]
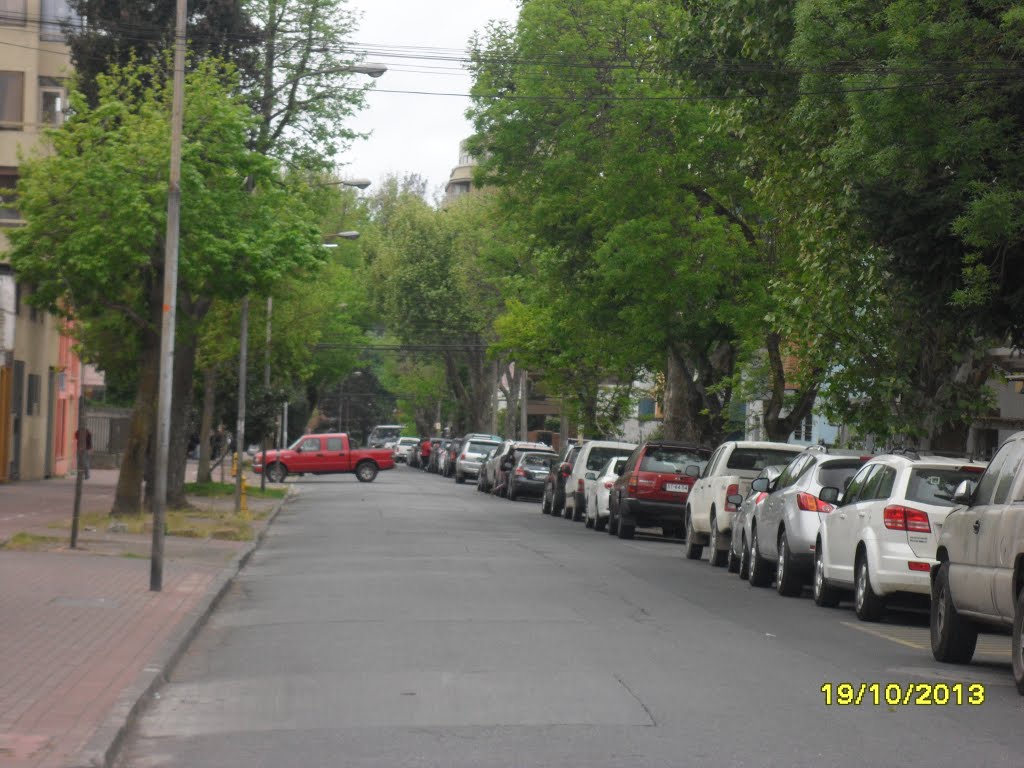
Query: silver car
[[735, 561], [471, 457], [783, 532]]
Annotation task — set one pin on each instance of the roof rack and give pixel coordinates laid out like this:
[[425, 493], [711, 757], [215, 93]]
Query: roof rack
[[909, 453]]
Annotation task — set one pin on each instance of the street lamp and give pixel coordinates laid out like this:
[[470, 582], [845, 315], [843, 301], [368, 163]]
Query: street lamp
[[343, 236]]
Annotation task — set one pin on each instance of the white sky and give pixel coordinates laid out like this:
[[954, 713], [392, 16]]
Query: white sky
[[412, 133]]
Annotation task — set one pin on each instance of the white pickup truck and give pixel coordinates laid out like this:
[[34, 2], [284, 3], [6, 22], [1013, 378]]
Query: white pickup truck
[[731, 469]]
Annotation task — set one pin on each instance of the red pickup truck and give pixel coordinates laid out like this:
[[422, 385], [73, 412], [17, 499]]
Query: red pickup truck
[[327, 454]]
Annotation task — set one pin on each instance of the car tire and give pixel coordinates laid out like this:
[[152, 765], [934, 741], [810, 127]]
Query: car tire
[[787, 581], [588, 523], [759, 575], [825, 595], [579, 507], [732, 559], [545, 502], [625, 531], [953, 637], [510, 494], [459, 477], [693, 551], [867, 604], [717, 556], [366, 471], [276, 472], [744, 571], [1017, 644], [613, 523], [600, 523]]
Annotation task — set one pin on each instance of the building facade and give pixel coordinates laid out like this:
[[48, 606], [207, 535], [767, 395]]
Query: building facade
[[40, 376]]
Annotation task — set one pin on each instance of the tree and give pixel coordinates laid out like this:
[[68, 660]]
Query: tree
[[95, 209]]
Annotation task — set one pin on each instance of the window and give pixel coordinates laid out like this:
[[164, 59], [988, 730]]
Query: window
[[310, 445], [805, 430], [853, 491], [759, 458], [880, 485], [645, 408], [51, 107], [12, 100], [936, 485], [54, 12], [1008, 471], [35, 388], [334, 444], [983, 495], [12, 12], [793, 471], [8, 182]]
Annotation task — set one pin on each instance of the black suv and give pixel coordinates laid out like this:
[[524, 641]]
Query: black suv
[[553, 500]]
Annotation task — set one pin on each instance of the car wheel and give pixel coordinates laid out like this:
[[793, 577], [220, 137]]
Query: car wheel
[[588, 522], [613, 523], [760, 576], [600, 523], [545, 502], [744, 571], [717, 556], [953, 637], [787, 580], [867, 604], [276, 473], [693, 550], [511, 493], [459, 477], [579, 508], [1017, 643], [732, 559], [825, 595], [366, 471], [625, 531]]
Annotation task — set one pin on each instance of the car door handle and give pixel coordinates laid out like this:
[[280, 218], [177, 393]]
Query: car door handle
[[861, 514], [977, 526], [842, 515]]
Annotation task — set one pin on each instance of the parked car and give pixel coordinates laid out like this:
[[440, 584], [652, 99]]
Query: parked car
[[653, 488], [737, 561], [403, 448], [471, 455], [780, 537], [383, 435], [729, 472], [323, 454], [597, 503], [593, 455], [978, 578], [882, 537], [504, 461], [553, 501], [528, 475]]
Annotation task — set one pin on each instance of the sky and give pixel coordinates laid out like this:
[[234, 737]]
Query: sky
[[416, 133]]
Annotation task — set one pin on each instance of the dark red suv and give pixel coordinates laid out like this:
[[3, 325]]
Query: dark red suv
[[652, 490]]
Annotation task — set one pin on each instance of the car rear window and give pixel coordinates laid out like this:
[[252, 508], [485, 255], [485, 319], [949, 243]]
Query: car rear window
[[937, 485], [759, 458], [480, 446], [599, 457], [538, 460], [674, 460], [836, 474]]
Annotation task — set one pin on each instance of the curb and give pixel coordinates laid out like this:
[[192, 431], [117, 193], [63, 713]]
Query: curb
[[105, 745]]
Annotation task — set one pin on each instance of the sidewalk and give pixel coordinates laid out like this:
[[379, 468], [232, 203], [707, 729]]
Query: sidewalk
[[83, 642]]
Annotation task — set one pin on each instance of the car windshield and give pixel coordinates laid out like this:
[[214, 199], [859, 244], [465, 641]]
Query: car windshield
[[537, 460], [615, 467], [480, 446], [936, 485], [836, 474], [759, 458], [599, 457], [674, 460]]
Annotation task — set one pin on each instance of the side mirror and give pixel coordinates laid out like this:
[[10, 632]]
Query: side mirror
[[591, 476], [565, 469], [964, 493], [830, 495], [735, 499], [760, 485], [692, 470]]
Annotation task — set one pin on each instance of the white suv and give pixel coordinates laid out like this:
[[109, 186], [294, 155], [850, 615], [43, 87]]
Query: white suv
[[979, 576], [592, 457], [881, 538]]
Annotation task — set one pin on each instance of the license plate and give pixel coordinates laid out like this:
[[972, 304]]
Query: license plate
[[677, 487]]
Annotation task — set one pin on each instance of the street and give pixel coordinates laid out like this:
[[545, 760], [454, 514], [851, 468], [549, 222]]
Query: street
[[415, 622]]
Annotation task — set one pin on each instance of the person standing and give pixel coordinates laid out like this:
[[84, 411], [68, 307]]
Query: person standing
[[84, 453]]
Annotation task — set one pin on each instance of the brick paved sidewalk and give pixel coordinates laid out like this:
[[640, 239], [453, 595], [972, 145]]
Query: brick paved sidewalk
[[82, 639]]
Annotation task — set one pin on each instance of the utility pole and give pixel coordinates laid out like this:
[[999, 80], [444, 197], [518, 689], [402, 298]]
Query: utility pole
[[243, 362], [81, 446], [163, 423], [522, 404], [266, 385]]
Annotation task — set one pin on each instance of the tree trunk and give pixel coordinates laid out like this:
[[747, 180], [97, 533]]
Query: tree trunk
[[776, 426], [679, 423], [181, 404], [128, 495], [206, 425]]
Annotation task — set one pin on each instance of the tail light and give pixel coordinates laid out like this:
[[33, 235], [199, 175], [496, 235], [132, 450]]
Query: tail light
[[732, 490], [633, 484], [462, 457], [900, 518], [581, 486], [915, 566], [972, 470], [609, 484], [808, 502], [520, 472]]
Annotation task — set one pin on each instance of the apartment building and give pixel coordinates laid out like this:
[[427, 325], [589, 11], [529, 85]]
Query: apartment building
[[40, 377]]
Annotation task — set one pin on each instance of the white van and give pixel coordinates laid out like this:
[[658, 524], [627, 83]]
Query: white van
[[592, 457]]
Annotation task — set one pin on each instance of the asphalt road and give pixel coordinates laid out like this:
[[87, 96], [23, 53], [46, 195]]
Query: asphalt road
[[415, 622]]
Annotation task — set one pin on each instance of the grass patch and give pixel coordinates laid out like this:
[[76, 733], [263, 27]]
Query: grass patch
[[31, 542], [220, 490], [134, 556]]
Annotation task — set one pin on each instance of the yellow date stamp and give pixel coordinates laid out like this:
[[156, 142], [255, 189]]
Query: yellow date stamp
[[903, 694]]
